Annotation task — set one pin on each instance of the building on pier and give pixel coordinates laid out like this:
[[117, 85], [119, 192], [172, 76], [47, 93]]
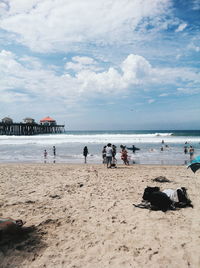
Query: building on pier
[[48, 121], [7, 120], [29, 120], [30, 127]]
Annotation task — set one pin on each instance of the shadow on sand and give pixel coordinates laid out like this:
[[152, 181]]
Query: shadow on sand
[[22, 245]]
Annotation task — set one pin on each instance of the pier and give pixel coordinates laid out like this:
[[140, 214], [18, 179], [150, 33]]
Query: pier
[[46, 126]]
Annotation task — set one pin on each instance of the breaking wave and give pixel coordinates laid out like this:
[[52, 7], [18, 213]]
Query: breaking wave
[[96, 138]]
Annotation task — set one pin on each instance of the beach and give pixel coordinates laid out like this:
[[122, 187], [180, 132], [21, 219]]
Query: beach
[[82, 215]]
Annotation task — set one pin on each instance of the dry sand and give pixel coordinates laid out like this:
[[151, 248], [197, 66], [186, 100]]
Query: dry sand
[[83, 216]]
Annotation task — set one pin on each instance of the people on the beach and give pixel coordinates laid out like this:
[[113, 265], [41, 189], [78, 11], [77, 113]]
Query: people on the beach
[[85, 153], [45, 155], [104, 154], [133, 148], [109, 155], [114, 148], [54, 151], [124, 156], [122, 146], [10, 225], [191, 152], [114, 159], [185, 149]]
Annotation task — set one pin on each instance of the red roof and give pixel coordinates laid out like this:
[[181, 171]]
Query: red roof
[[47, 119]]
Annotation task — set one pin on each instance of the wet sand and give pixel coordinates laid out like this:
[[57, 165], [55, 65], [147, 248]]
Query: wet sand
[[83, 216]]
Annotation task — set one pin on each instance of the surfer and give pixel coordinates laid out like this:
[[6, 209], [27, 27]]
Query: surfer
[[133, 148]]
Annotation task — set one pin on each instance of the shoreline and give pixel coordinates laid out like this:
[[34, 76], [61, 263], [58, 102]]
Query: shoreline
[[83, 216], [69, 148], [90, 164]]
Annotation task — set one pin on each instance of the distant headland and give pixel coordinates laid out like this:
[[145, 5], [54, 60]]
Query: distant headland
[[46, 125]]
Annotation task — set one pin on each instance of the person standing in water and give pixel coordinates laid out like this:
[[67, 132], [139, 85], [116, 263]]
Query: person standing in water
[[124, 156], [185, 149], [45, 156], [54, 154], [191, 151], [85, 153], [54, 151]]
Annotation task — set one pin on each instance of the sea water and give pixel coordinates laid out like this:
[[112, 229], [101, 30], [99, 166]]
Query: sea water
[[69, 146]]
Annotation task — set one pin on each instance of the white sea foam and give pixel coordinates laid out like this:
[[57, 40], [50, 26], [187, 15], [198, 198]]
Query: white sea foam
[[96, 139]]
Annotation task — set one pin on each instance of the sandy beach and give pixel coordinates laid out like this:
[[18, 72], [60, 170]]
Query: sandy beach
[[83, 216]]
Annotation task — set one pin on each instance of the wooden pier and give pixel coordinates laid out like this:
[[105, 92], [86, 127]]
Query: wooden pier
[[29, 129]]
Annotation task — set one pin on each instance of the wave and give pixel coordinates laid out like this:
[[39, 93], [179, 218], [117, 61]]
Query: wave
[[96, 139]]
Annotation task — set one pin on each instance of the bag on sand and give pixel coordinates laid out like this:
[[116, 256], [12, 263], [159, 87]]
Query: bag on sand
[[114, 163]]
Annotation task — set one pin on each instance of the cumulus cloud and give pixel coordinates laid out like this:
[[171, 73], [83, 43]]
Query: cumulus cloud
[[29, 78], [82, 63], [132, 71], [52, 25], [135, 68]]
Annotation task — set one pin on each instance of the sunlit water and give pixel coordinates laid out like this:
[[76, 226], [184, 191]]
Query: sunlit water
[[69, 146]]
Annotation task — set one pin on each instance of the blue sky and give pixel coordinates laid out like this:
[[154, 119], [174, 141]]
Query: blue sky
[[99, 64]]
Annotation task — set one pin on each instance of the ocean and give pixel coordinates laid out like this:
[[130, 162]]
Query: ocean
[[69, 146]]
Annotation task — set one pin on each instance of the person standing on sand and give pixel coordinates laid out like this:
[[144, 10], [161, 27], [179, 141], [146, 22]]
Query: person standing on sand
[[109, 155], [114, 148], [85, 153], [104, 155]]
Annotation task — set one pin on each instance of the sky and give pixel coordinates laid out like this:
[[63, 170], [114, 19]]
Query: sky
[[101, 64]]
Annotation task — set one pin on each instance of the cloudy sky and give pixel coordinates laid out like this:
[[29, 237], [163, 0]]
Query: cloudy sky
[[101, 64]]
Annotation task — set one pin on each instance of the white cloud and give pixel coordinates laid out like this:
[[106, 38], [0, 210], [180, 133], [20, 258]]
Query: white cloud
[[52, 25], [133, 71], [30, 78], [188, 90], [10, 97], [164, 95], [194, 47], [175, 76], [19, 6], [135, 68], [151, 101], [196, 4], [105, 82], [3, 8], [181, 27], [82, 63], [84, 60]]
